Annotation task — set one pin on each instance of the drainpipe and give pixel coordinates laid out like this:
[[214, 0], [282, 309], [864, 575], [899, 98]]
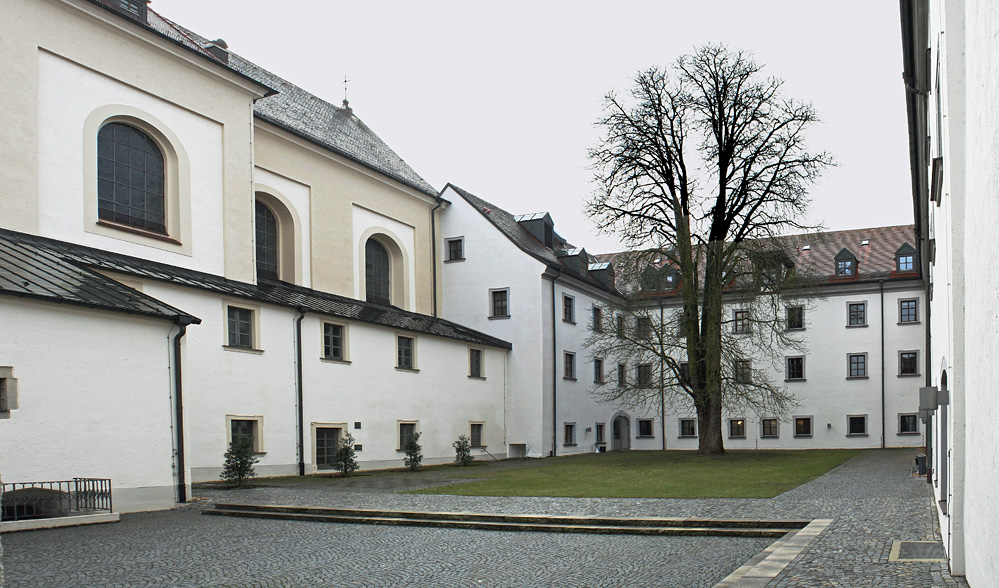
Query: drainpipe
[[433, 251], [928, 425], [554, 369], [298, 386], [881, 283], [178, 407]]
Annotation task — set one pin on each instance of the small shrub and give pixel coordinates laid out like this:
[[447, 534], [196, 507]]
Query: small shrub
[[345, 460], [463, 451], [414, 453], [239, 460]]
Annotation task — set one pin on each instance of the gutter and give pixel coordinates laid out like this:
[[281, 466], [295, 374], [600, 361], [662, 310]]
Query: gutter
[[299, 391], [178, 408]]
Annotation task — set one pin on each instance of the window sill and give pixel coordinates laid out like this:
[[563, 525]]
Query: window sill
[[858, 377], [856, 326], [908, 323], [795, 329], [601, 382], [645, 437], [568, 445], [568, 378], [769, 437], [454, 260], [410, 370], [243, 349], [857, 435], [478, 446], [809, 436], [137, 231], [909, 375], [909, 434], [600, 443], [795, 380], [568, 322], [499, 317], [477, 378], [334, 360], [736, 436]]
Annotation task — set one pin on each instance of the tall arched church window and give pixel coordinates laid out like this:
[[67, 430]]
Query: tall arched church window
[[267, 242], [130, 183], [377, 270]]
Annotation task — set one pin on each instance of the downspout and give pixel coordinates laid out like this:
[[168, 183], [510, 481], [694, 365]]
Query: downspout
[[554, 451], [662, 380], [928, 425], [433, 251], [299, 391], [178, 407], [881, 283]]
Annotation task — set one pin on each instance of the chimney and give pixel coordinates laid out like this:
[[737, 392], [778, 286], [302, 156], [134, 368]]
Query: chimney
[[219, 50]]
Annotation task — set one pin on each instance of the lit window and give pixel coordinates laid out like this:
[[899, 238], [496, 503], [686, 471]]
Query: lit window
[[598, 371], [856, 314], [568, 309], [740, 321], [130, 178], [769, 428], [405, 352], [908, 363], [803, 426], [795, 317], [569, 366], [858, 365], [266, 242], [475, 363], [240, 327], [377, 272], [455, 249], [737, 428], [795, 368], [644, 373], [856, 425], [907, 311], [645, 428], [499, 303], [688, 428], [333, 341]]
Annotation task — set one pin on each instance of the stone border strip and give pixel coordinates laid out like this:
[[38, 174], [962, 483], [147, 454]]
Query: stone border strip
[[759, 571], [52, 523]]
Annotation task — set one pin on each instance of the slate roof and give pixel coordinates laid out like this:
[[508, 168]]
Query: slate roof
[[83, 260], [522, 238], [32, 270]]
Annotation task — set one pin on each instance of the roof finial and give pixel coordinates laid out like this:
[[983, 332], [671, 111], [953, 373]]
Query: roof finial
[[346, 104]]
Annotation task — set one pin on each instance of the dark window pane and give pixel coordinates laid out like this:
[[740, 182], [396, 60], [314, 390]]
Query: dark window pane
[[127, 158], [267, 242], [376, 272]]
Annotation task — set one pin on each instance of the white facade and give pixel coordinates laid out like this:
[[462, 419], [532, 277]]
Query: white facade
[[952, 92]]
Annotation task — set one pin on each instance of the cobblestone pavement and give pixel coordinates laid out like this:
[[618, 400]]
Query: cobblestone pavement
[[872, 500]]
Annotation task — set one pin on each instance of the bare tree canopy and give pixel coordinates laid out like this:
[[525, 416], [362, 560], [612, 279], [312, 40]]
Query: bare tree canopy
[[706, 166]]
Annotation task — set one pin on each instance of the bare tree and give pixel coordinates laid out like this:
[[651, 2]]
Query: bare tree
[[706, 167]]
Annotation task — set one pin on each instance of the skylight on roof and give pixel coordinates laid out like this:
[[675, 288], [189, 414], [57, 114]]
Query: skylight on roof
[[865, 242], [806, 247]]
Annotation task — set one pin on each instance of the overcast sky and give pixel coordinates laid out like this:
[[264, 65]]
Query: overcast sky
[[500, 98]]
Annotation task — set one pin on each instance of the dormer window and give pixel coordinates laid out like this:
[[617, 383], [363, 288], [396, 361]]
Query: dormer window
[[846, 264], [905, 258]]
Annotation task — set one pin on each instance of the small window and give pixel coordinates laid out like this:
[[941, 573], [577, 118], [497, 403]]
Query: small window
[[8, 389], [622, 375], [568, 309], [246, 429], [598, 371], [845, 267], [619, 325], [908, 363], [475, 435], [795, 318], [645, 428], [908, 424], [475, 363], [643, 327], [736, 428], [406, 433], [455, 249], [769, 428], [357, 425], [644, 374], [598, 320], [743, 371], [377, 273], [499, 303], [856, 425], [600, 435], [857, 314], [405, 352], [684, 373], [240, 327], [130, 178], [905, 263], [795, 368], [803, 426], [569, 434], [740, 321], [334, 342], [907, 311], [857, 365], [688, 428], [569, 366]]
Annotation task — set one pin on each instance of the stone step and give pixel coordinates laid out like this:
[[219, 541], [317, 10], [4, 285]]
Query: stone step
[[502, 522]]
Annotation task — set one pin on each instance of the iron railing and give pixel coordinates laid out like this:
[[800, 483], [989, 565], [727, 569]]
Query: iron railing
[[60, 498]]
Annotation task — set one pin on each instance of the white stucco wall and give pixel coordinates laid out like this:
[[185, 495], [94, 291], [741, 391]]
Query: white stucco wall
[[94, 400], [297, 198]]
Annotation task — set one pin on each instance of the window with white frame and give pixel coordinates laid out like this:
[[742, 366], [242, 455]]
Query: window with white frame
[[499, 303], [246, 429], [908, 363], [405, 352], [407, 430], [569, 365], [475, 367], [802, 426], [856, 365], [794, 368], [598, 371], [455, 249], [856, 425], [769, 428], [856, 314], [334, 341], [568, 309], [908, 424], [688, 427], [569, 434], [645, 428], [908, 311]]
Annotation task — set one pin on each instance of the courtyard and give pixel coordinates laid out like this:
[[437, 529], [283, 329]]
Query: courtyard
[[872, 500]]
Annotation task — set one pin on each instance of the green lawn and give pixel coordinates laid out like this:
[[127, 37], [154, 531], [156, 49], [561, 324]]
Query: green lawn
[[657, 474]]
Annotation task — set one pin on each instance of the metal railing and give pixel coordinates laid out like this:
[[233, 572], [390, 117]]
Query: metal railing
[[59, 498]]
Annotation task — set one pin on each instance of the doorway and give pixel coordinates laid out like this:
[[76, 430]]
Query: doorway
[[327, 441], [621, 433]]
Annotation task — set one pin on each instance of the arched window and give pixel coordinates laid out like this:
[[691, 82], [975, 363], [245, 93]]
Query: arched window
[[267, 242], [377, 269], [130, 184]]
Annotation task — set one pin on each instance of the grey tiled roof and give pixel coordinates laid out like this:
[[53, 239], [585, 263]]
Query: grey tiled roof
[[32, 270], [84, 259], [521, 237], [331, 127]]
